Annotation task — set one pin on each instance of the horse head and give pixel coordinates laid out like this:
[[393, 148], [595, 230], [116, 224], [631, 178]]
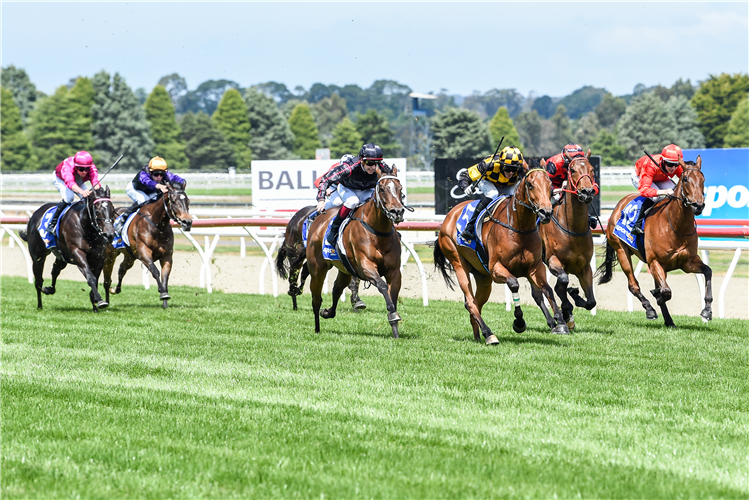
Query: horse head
[[101, 212], [534, 190], [178, 205], [581, 177], [692, 186], [389, 196]]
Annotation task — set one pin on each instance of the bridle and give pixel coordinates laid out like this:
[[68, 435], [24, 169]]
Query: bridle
[[575, 185], [93, 215], [169, 209], [686, 202], [381, 204], [529, 205]]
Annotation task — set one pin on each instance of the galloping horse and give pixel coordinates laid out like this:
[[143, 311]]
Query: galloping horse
[[371, 244], [514, 250], [568, 242], [85, 230], [292, 257], [670, 243], [151, 235]]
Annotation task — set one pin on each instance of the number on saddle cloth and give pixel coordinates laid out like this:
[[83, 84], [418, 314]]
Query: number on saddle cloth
[[121, 239], [50, 240], [625, 224], [465, 217]]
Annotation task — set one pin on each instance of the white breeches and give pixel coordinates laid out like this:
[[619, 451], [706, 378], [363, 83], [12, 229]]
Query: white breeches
[[139, 196], [352, 197], [67, 194]]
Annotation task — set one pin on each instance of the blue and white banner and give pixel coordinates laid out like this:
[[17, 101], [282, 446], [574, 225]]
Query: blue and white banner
[[726, 181]]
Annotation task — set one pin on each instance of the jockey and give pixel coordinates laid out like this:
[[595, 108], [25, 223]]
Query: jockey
[[146, 186], [333, 200], [497, 176], [70, 175], [558, 167], [647, 175], [356, 183]]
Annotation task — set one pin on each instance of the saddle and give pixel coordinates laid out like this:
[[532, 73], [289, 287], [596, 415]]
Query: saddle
[[476, 244]]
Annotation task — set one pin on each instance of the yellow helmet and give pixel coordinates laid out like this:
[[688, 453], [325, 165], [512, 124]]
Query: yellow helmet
[[511, 157], [157, 163]]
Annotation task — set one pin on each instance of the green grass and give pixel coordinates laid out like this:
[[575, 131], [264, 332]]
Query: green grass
[[227, 395]]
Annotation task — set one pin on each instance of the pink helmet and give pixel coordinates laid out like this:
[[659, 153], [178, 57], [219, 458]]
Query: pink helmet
[[83, 159]]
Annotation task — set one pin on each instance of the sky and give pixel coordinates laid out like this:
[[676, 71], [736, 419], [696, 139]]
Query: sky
[[544, 48]]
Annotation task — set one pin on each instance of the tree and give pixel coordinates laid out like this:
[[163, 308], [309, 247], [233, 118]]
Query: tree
[[562, 128], [646, 124], [328, 112], [271, 136], [609, 110], [587, 129], [460, 133], [715, 102], [15, 147], [205, 145], [529, 128], [501, 126], [232, 120], [345, 139], [544, 106], [205, 98], [306, 137], [24, 92], [582, 100], [119, 123], [374, 128], [61, 124], [488, 103], [164, 129], [737, 134], [606, 145], [176, 87], [683, 88], [688, 134]]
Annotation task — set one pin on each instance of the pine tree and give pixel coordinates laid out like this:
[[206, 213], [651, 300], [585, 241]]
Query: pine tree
[[501, 126], [609, 110], [15, 147], [562, 128], [119, 123], [164, 129], [271, 136], [606, 145], [460, 133], [328, 112], [231, 119], [688, 133], [374, 128], [646, 125], [345, 140], [306, 137], [587, 129], [205, 145], [24, 92], [737, 134], [715, 102]]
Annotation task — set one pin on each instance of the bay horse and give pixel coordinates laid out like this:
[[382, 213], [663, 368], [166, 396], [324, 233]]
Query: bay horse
[[670, 243], [292, 257], [151, 236], [513, 246], [85, 231], [568, 242], [371, 244]]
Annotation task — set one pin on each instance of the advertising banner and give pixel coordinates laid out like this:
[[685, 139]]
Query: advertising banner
[[289, 184], [726, 181]]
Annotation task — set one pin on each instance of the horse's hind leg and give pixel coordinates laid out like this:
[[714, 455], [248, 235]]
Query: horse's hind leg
[[38, 268], [634, 286], [662, 292], [341, 282], [537, 278], [57, 267], [125, 266], [356, 302]]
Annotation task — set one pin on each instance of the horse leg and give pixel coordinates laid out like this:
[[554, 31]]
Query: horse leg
[[537, 277], [661, 292], [125, 266], [109, 259], [634, 286], [483, 292], [38, 268], [695, 265], [356, 302], [561, 288], [295, 265], [166, 268], [79, 256], [500, 274], [57, 267], [382, 287], [146, 256], [341, 282], [585, 277], [394, 287]]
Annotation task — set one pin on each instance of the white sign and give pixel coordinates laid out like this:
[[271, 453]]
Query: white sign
[[289, 184]]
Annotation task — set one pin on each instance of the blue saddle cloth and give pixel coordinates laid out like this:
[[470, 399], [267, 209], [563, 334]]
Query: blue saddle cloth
[[329, 252], [462, 222], [625, 224], [50, 240], [119, 241], [305, 226]]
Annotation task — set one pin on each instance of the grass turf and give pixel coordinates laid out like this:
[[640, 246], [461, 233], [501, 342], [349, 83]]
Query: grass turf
[[230, 395]]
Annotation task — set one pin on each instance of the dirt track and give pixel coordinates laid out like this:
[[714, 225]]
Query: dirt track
[[233, 274]]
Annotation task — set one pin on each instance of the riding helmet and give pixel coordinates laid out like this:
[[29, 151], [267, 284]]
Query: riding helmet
[[157, 163], [573, 150], [672, 153], [83, 159], [371, 152], [511, 158]]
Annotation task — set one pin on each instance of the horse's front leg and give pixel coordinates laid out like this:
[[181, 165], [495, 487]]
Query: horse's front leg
[[341, 282], [393, 279], [561, 288], [634, 287], [537, 277], [695, 265], [585, 277], [356, 302], [661, 292], [81, 260], [166, 268], [146, 256], [371, 274]]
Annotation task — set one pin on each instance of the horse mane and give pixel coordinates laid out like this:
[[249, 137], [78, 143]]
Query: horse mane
[[690, 163]]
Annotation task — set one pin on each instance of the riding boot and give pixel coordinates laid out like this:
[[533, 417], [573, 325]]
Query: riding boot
[[646, 205], [469, 233], [120, 222], [333, 234], [53, 221]]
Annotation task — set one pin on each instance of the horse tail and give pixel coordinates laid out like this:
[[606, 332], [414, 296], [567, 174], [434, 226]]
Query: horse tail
[[24, 236], [443, 265], [282, 263], [606, 270]]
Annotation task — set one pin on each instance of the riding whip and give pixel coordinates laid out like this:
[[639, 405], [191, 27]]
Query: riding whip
[[476, 182], [110, 169], [651, 159]]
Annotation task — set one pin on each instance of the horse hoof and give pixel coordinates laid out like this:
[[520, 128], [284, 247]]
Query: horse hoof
[[651, 315], [359, 306], [164, 296], [492, 340], [394, 317], [102, 304], [571, 323], [706, 315], [113, 291], [48, 290], [327, 314], [561, 329], [519, 326]]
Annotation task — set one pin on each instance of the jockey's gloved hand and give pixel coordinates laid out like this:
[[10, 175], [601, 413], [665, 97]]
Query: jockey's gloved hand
[[468, 190]]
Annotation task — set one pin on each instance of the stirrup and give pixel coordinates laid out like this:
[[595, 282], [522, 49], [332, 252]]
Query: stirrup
[[637, 230]]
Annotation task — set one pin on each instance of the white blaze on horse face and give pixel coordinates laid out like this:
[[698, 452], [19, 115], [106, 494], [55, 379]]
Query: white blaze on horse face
[[391, 187], [182, 197]]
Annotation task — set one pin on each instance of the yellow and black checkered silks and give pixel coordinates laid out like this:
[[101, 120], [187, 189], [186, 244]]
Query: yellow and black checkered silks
[[510, 156]]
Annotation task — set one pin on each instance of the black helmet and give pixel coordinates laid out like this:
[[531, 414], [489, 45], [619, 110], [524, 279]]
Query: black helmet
[[370, 152]]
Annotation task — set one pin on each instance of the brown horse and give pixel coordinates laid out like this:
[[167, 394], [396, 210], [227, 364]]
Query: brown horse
[[371, 244], [670, 243], [151, 236], [85, 231], [292, 257], [568, 242], [514, 249]]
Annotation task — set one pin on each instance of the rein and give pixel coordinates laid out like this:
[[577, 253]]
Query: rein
[[683, 199], [378, 200], [530, 206], [170, 210], [93, 217]]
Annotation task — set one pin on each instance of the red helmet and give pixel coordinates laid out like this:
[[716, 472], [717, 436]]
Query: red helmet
[[83, 159], [672, 154], [573, 150]]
